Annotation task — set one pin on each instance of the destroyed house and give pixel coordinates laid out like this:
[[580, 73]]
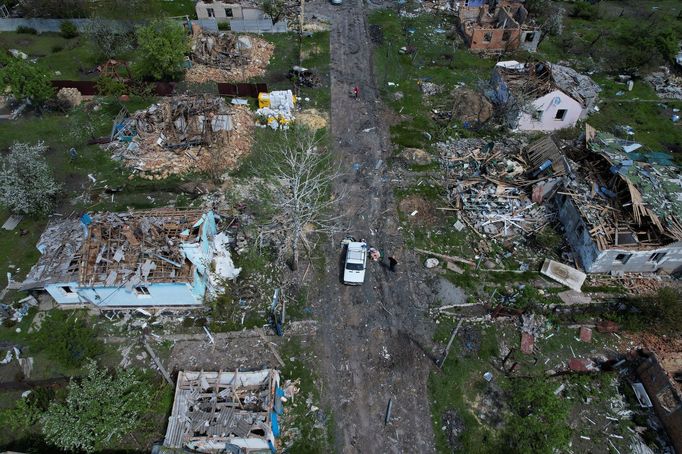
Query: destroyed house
[[226, 412], [623, 211], [496, 26], [161, 257], [542, 96], [228, 11]]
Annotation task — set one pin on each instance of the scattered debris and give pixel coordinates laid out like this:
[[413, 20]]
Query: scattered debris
[[585, 334], [276, 109], [214, 411], [666, 84], [12, 222], [133, 259], [227, 57], [182, 134], [642, 396]]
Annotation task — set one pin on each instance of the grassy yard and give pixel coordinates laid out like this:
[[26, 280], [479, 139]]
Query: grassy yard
[[462, 388], [432, 54], [311, 52], [62, 58]]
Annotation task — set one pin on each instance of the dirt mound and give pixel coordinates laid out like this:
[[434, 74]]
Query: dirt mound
[[312, 118], [425, 211], [471, 106]]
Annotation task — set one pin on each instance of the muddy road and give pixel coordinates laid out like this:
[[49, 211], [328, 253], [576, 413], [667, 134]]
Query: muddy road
[[374, 339]]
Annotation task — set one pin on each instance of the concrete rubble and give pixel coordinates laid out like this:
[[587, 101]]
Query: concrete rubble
[[182, 134], [227, 57], [667, 85]]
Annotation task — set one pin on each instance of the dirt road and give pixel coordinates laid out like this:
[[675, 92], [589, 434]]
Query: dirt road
[[371, 337]]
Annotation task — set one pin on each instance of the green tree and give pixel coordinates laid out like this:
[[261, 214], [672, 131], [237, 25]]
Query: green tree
[[538, 423], [26, 182], [274, 8], [67, 338], [27, 81], [99, 410], [162, 45]]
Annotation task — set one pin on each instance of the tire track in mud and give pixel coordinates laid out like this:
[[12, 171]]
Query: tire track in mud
[[366, 336]]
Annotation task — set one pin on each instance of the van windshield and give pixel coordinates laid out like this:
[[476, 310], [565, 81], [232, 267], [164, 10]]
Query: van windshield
[[354, 266]]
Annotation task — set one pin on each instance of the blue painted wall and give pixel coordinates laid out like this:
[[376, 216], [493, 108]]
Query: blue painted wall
[[178, 294]]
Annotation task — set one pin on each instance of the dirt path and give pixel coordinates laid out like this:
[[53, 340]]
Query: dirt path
[[371, 337]]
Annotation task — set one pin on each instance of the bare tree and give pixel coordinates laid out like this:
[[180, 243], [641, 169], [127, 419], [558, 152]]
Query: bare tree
[[301, 175]]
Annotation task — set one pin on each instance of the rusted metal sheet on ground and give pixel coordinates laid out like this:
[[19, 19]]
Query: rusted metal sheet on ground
[[89, 87], [250, 90]]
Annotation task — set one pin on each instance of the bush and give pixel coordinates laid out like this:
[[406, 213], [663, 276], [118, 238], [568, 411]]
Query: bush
[[26, 182], [26, 81], [584, 10], [99, 410], [538, 422], [162, 45], [27, 30], [108, 86], [66, 337], [224, 26], [68, 29], [57, 48]]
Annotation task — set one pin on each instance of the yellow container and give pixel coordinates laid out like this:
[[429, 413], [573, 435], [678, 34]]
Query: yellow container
[[263, 100]]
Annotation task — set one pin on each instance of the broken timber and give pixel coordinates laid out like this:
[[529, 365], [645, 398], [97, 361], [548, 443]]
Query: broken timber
[[157, 361], [452, 338]]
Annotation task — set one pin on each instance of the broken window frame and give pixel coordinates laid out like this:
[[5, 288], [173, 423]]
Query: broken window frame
[[229, 12], [657, 257], [487, 37], [506, 35], [210, 12], [67, 290], [537, 115], [623, 258], [142, 291], [529, 37], [563, 113]]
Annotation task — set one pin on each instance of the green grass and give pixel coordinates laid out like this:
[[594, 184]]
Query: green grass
[[300, 364], [314, 51], [437, 59], [75, 58], [456, 386]]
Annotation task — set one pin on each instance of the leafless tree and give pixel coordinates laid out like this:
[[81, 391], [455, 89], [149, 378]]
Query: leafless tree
[[300, 175]]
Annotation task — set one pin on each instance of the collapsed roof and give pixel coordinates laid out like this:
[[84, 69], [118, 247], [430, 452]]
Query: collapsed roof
[[540, 78], [127, 249], [627, 201], [182, 134], [224, 411]]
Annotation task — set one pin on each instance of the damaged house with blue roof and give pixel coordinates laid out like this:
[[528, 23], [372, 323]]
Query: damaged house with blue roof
[[160, 257], [622, 211]]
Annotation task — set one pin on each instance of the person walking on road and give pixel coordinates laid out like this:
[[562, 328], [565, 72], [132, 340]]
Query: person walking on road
[[392, 262], [356, 91]]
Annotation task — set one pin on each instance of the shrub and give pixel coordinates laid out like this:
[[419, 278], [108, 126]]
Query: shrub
[[57, 48], [108, 86], [584, 10], [162, 46], [26, 81], [68, 29], [26, 182], [27, 30], [99, 410], [225, 26]]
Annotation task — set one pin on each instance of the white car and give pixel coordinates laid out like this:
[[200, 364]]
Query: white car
[[355, 263]]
